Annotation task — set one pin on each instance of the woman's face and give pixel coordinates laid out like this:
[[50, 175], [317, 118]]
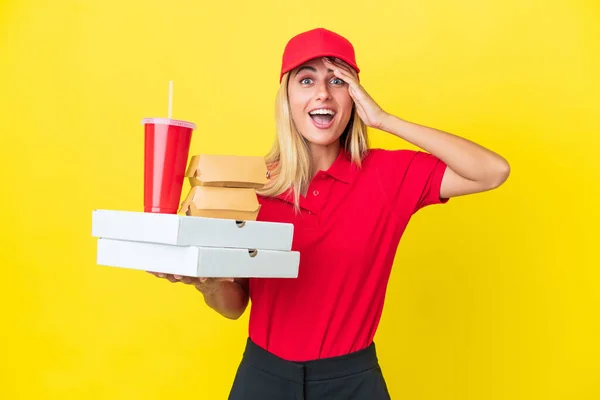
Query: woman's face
[[320, 103]]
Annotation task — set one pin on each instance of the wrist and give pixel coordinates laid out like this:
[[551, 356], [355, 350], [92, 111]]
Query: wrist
[[388, 121], [398, 127]]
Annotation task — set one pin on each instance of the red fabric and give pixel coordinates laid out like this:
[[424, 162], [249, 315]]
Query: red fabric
[[347, 234], [315, 43]]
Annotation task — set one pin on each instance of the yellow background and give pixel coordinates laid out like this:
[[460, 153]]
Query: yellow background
[[493, 296]]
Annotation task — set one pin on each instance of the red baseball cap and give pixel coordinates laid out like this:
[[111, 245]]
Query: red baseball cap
[[315, 43]]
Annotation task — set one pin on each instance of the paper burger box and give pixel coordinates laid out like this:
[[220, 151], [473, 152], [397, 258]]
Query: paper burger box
[[183, 230], [198, 261], [227, 171], [221, 202]]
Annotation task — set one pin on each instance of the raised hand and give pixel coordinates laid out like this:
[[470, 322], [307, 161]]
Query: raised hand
[[368, 110]]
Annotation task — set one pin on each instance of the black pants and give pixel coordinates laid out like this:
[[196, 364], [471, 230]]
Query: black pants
[[264, 376]]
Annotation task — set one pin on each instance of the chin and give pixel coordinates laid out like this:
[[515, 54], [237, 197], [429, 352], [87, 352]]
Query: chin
[[323, 139]]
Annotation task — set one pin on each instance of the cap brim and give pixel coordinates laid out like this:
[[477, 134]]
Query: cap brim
[[319, 55]]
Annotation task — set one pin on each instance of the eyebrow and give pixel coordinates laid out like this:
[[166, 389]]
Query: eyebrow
[[313, 69]]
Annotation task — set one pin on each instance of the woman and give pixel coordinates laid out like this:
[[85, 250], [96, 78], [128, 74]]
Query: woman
[[312, 337]]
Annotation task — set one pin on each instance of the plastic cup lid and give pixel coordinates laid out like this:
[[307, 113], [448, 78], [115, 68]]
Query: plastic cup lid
[[167, 121]]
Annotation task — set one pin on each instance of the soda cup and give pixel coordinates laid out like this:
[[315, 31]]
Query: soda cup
[[166, 150]]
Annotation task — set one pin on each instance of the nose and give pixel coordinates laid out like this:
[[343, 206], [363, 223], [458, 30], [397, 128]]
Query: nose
[[323, 91]]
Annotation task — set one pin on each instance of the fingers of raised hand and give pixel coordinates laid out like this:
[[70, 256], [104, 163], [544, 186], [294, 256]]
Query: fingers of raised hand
[[339, 64], [341, 68]]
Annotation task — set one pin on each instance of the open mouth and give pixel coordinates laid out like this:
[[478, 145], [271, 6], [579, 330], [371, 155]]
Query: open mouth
[[322, 117]]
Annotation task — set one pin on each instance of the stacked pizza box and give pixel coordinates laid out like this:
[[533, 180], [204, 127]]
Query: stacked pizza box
[[215, 234]]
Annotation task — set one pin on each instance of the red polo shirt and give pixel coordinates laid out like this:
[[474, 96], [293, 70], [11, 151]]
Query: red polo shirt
[[347, 233]]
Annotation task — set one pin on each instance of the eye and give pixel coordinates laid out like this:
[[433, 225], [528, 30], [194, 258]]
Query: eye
[[337, 81], [306, 81]]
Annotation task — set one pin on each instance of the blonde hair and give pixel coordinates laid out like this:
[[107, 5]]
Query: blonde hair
[[289, 161]]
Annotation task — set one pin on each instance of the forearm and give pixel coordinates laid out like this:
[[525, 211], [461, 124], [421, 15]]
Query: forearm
[[465, 158], [229, 299]]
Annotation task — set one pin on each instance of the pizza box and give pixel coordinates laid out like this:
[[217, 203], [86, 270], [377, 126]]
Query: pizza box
[[184, 230], [194, 261]]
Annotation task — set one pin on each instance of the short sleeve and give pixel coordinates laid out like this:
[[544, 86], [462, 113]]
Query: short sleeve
[[412, 179]]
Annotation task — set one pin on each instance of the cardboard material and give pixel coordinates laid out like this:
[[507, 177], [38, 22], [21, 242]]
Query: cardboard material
[[191, 231], [219, 202], [194, 261], [227, 171]]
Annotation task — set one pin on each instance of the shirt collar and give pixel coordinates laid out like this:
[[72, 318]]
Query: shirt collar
[[342, 168]]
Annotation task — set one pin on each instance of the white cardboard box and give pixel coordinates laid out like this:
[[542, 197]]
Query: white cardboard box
[[198, 261], [191, 231]]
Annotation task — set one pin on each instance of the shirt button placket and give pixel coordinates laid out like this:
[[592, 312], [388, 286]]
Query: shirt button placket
[[318, 195]]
